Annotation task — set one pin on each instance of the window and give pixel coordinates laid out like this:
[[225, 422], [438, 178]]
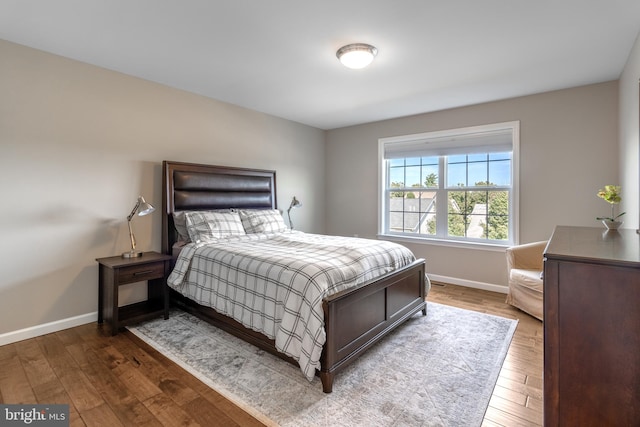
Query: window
[[456, 185]]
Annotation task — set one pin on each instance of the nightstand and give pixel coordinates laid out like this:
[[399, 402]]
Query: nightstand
[[116, 271]]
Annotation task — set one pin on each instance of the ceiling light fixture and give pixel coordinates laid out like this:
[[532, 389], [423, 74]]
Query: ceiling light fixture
[[357, 55]]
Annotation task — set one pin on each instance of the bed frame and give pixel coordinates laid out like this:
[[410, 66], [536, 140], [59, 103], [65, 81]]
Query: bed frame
[[354, 319]]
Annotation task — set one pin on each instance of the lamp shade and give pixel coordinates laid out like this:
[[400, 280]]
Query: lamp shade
[[357, 55], [295, 203], [144, 208]]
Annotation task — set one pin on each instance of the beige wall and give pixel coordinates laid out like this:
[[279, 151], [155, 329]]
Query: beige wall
[[568, 150], [79, 143], [629, 138]]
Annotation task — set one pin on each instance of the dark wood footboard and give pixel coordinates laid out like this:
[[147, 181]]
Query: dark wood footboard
[[358, 318]]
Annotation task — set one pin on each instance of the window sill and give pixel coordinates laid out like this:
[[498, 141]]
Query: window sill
[[496, 247]]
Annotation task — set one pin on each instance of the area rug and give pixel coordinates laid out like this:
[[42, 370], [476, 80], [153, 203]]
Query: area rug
[[435, 370]]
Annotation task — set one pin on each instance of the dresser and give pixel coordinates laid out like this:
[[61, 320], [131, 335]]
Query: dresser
[[592, 327]]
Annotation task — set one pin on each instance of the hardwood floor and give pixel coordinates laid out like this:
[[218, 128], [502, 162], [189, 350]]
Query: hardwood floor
[[121, 381]]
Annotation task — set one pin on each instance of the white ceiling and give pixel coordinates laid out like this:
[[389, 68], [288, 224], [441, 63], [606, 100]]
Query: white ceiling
[[278, 56]]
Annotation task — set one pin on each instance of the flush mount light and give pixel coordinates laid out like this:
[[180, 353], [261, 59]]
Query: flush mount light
[[357, 55]]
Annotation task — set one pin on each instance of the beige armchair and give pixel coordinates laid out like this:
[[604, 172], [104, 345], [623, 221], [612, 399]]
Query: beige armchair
[[525, 265]]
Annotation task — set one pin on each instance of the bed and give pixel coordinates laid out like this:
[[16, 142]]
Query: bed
[[354, 319]]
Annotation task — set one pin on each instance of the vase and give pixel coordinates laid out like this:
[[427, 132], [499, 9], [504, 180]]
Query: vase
[[611, 225]]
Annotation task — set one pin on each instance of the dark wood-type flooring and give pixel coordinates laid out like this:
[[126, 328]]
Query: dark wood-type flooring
[[121, 381]]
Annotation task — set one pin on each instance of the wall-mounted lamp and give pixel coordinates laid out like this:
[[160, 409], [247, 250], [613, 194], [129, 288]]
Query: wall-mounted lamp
[[295, 203], [142, 208], [356, 55]]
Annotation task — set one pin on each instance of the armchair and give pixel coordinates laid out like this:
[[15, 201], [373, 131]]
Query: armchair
[[525, 265]]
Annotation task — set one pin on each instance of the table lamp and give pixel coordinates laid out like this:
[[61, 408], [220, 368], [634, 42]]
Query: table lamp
[[142, 208], [295, 203]]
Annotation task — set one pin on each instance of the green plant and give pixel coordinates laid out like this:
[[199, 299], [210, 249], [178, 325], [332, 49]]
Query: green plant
[[611, 195]]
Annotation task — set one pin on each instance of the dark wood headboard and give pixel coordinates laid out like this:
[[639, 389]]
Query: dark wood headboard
[[190, 186]]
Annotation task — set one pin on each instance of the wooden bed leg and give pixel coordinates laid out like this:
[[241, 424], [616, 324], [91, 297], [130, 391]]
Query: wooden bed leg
[[327, 381], [424, 310]]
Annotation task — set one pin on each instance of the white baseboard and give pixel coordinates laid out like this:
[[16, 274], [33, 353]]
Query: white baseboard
[[47, 328], [468, 283], [59, 325]]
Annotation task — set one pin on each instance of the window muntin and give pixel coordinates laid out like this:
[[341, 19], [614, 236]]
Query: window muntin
[[478, 188]]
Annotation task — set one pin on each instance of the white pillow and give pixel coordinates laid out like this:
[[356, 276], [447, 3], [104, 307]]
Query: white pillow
[[180, 223], [262, 221], [205, 226]]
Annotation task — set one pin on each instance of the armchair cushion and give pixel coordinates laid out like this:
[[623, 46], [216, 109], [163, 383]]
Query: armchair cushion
[[528, 278]]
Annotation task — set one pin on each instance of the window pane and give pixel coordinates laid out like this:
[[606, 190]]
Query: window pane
[[413, 176], [498, 203], [429, 225], [500, 172], [396, 177], [395, 222], [430, 176], [457, 202], [412, 161], [498, 215], [477, 221], [457, 226], [411, 222], [395, 201], [476, 202], [457, 175], [396, 211], [396, 162], [477, 173], [427, 201], [457, 221], [498, 228]]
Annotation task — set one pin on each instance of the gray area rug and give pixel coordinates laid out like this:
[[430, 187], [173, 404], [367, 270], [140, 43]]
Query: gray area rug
[[438, 370]]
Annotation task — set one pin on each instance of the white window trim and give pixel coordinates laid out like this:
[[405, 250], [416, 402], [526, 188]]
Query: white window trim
[[515, 177]]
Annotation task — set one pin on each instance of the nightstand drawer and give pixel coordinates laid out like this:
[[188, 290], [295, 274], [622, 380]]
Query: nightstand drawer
[[141, 272]]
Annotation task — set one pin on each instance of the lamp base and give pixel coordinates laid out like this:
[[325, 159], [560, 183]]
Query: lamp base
[[131, 254]]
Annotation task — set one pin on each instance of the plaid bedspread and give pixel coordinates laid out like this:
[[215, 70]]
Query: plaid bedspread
[[275, 283]]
